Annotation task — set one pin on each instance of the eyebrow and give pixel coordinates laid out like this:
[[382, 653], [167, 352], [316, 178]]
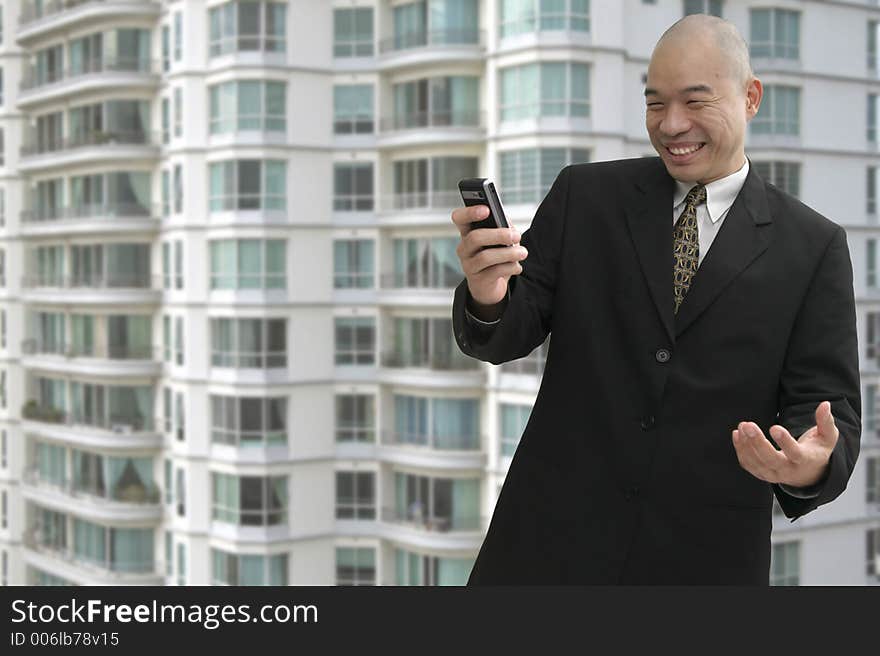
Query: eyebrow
[[696, 88]]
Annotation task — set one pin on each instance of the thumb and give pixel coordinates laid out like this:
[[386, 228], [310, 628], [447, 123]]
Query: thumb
[[825, 422]]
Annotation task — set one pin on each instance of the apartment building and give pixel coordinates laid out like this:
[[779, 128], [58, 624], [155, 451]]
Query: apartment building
[[227, 263]]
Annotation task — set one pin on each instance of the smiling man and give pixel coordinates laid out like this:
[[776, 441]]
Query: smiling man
[[703, 353]]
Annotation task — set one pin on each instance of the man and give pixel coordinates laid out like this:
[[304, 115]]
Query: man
[[700, 319]]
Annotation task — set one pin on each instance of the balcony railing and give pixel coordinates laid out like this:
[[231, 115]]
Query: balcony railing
[[410, 280], [117, 423], [31, 78], [96, 138], [439, 362], [34, 540], [32, 11], [446, 118], [139, 493], [437, 442], [423, 520], [423, 39], [420, 200], [96, 281], [90, 211], [34, 346]]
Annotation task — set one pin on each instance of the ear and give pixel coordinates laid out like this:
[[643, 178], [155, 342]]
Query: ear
[[754, 93]]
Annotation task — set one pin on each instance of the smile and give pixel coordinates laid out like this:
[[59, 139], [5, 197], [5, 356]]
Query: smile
[[684, 150]]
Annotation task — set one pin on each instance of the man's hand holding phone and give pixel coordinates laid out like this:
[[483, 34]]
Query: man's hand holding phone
[[489, 256]]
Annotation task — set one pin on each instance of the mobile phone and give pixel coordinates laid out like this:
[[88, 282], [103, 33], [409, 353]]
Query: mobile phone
[[481, 191]]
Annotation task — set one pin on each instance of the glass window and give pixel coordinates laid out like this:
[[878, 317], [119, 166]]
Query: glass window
[[249, 421], [545, 89], [353, 32], [249, 500], [178, 36], [774, 33], [873, 50], [871, 190], [353, 264], [355, 495], [355, 340], [355, 418], [712, 7], [785, 175], [241, 569], [166, 48], [785, 564], [247, 185], [779, 112], [871, 134], [256, 343], [355, 566], [353, 187], [353, 109], [248, 264], [178, 188], [247, 25], [250, 105], [519, 16], [514, 418]]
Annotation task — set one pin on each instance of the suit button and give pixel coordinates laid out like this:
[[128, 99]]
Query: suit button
[[648, 422], [662, 355]]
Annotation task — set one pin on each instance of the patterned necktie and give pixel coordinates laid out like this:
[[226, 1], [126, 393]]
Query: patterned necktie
[[686, 244]]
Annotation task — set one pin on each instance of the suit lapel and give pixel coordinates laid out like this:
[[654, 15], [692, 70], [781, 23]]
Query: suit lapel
[[743, 236], [649, 216]]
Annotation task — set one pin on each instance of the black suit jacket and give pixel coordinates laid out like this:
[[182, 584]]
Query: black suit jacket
[[626, 470]]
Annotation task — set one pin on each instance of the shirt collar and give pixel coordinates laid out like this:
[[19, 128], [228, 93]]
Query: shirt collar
[[720, 194]]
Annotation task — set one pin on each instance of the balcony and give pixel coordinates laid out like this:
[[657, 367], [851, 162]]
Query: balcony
[[92, 76], [432, 451], [56, 15], [135, 502], [450, 370], [434, 361], [93, 359], [419, 528], [430, 128], [408, 289], [115, 218], [61, 560], [97, 289], [435, 46], [88, 148], [111, 431], [399, 208]]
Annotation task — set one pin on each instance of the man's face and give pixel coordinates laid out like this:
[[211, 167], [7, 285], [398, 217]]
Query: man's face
[[695, 113]]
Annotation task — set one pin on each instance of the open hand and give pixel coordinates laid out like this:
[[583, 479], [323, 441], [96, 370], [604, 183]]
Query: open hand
[[800, 463]]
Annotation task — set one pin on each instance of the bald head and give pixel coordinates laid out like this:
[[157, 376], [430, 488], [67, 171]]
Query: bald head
[[714, 32]]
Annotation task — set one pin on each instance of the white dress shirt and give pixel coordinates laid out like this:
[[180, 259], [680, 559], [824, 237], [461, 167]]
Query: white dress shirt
[[720, 195]]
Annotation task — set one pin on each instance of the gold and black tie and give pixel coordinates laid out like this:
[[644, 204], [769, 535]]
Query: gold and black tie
[[686, 244]]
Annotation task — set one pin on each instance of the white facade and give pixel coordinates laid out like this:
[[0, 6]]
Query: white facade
[[265, 355]]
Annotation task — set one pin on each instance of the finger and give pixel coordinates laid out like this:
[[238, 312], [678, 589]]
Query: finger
[[787, 443], [500, 270], [766, 460], [745, 455], [464, 216], [476, 240], [765, 452], [487, 257], [825, 423]]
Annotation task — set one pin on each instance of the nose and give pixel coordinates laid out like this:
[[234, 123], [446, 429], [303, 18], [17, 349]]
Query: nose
[[675, 120]]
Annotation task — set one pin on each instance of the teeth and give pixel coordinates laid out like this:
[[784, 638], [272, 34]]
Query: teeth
[[685, 151]]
